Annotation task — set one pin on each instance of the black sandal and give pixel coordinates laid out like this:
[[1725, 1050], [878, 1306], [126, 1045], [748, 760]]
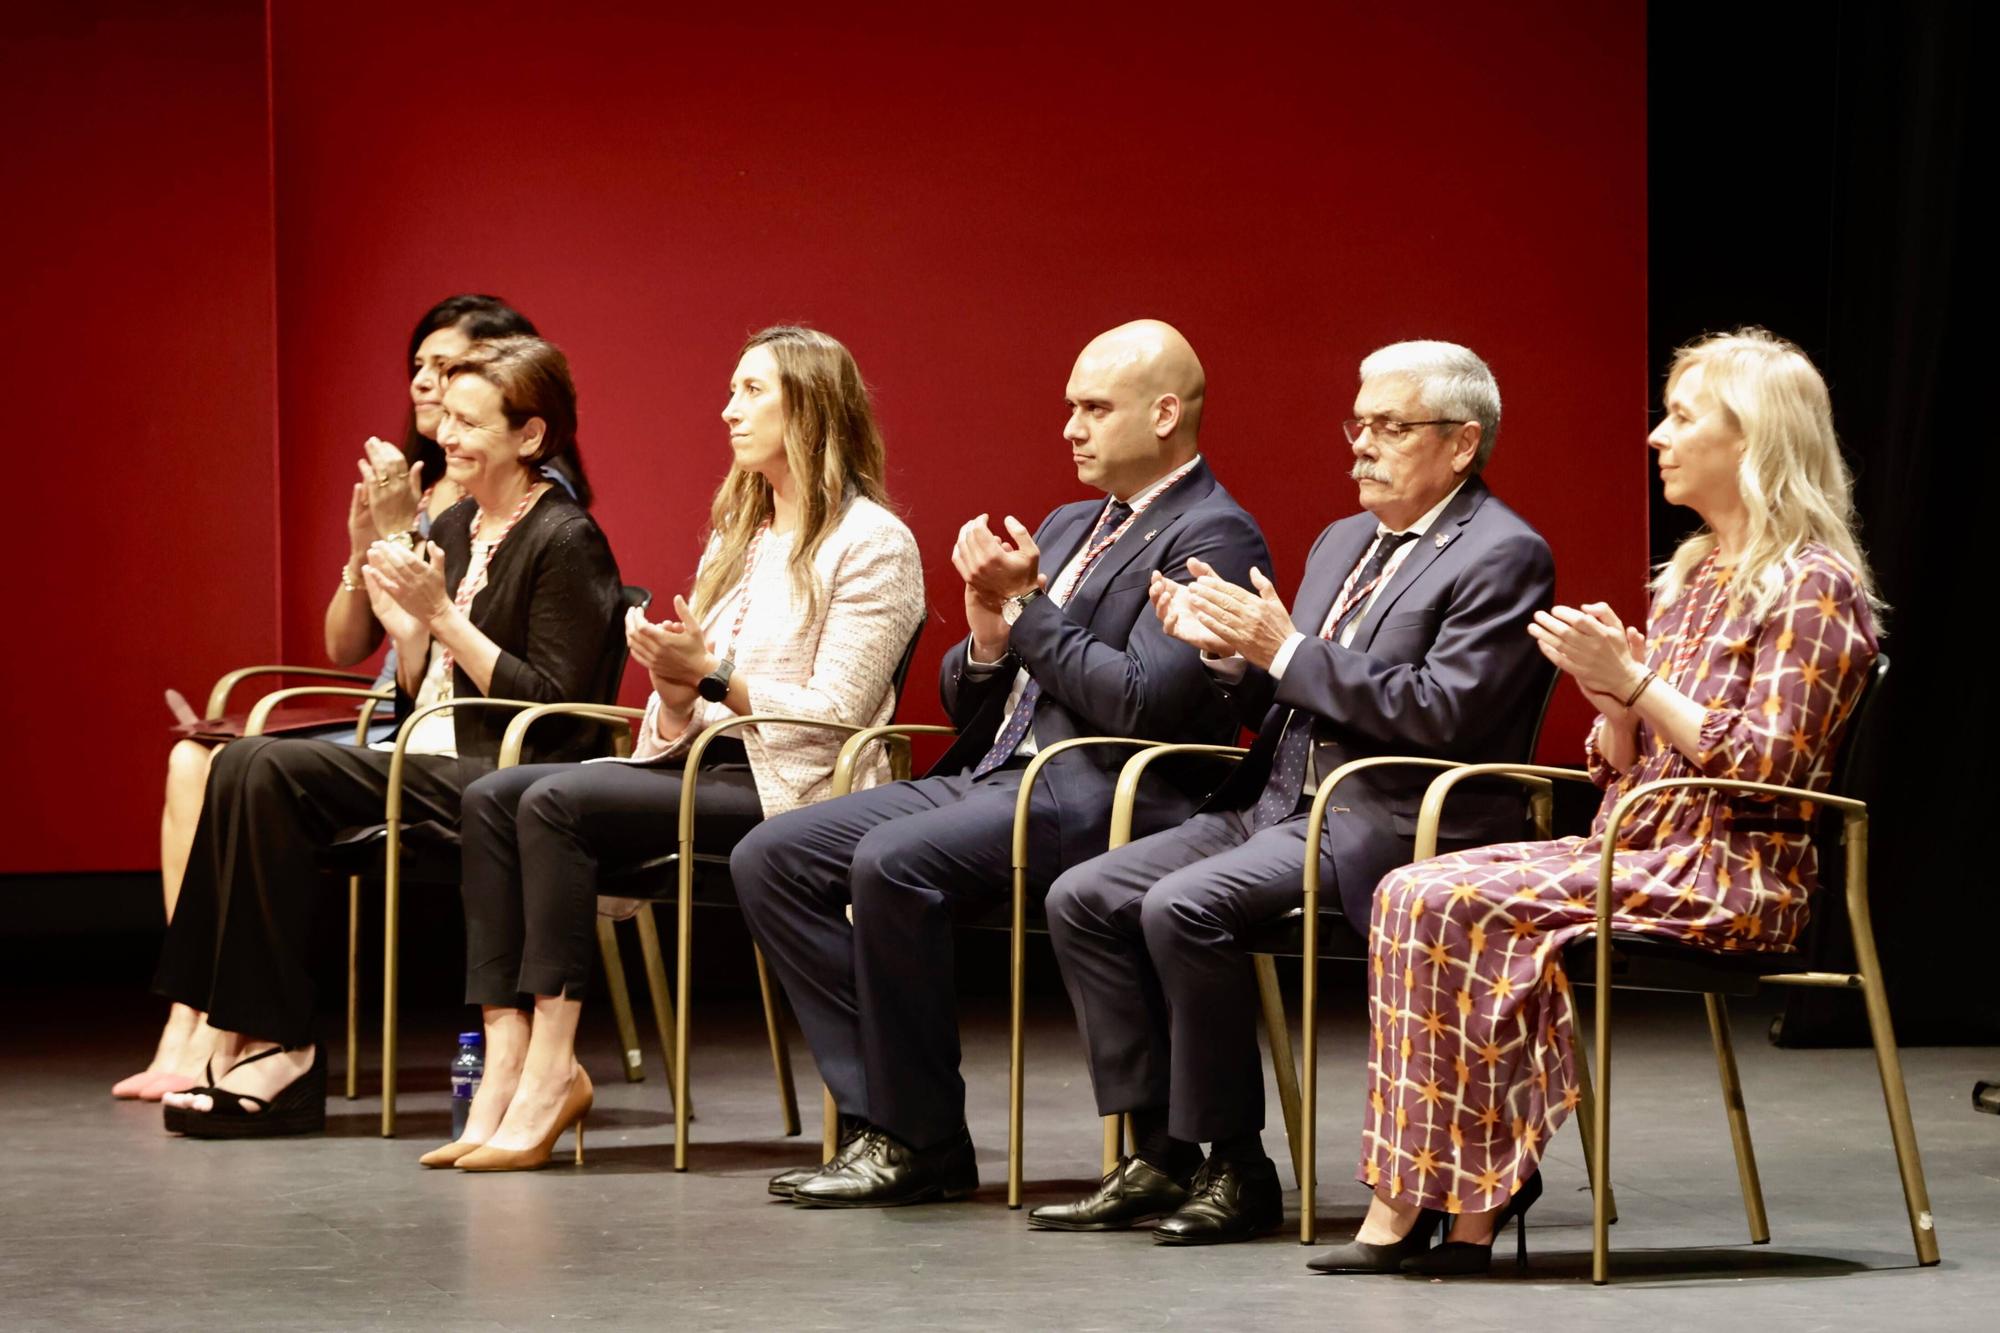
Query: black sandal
[[299, 1107], [175, 1117]]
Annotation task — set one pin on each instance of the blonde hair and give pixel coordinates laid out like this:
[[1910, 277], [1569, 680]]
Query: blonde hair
[[832, 447], [1793, 480]]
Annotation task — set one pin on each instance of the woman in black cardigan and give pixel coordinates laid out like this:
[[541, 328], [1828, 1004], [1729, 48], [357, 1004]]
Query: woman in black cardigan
[[516, 596]]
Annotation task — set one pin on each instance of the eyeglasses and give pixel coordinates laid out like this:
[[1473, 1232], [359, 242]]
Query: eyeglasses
[[1388, 428]]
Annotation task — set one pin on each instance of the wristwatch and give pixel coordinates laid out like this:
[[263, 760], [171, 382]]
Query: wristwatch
[[1011, 609], [714, 687]]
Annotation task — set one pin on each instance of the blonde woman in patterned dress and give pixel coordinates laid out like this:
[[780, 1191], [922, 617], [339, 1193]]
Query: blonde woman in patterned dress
[[1759, 639]]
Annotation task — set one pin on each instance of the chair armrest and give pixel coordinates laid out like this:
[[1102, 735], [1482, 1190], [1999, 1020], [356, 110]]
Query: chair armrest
[[1323, 800], [218, 697], [260, 712], [1034, 771], [1126, 794], [1537, 778], [1856, 832], [392, 813], [717, 730], [516, 734], [850, 753]]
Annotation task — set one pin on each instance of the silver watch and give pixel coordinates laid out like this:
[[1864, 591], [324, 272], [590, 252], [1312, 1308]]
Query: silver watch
[[1010, 610]]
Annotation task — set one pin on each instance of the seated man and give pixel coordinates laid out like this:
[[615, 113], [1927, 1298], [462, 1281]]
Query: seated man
[[1070, 649], [1416, 642]]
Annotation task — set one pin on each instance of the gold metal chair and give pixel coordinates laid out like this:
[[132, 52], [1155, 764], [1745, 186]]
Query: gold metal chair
[[687, 863], [1612, 959]]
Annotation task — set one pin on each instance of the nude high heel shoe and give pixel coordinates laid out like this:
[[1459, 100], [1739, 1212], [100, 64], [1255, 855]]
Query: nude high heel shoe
[[575, 1107], [449, 1154]]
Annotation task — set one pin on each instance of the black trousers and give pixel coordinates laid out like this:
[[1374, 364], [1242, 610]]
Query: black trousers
[[239, 943], [1149, 941], [877, 998], [534, 839]]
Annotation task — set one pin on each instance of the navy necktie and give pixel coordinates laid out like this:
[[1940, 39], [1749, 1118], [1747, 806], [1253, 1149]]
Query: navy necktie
[[1016, 726], [1288, 765]]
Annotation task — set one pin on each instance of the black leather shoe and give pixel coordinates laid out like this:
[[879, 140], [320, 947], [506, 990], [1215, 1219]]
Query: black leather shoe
[[1136, 1191], [1356, 1257], [885, 1173], [785, 1183], [1230, 1201]]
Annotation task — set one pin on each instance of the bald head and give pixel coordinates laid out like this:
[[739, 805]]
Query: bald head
[[1135, 398]]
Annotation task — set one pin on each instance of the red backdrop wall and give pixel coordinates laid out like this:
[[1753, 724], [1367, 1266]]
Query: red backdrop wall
[[965, 204], [139, 369]]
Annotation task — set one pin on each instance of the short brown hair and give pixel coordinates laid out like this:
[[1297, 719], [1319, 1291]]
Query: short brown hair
[[532, 375]]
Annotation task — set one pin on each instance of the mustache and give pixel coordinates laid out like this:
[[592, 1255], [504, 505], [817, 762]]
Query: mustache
[[1367, 470]]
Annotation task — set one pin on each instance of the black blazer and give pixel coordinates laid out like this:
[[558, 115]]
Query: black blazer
[[1104, 664], [1442, 666], [554, 603]]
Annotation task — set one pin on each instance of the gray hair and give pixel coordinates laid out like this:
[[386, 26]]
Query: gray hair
[[1454, 381]]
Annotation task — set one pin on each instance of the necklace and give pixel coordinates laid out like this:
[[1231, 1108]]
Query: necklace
[[1689, 644]]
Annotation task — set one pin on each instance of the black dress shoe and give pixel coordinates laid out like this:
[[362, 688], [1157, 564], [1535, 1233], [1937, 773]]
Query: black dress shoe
[[1136, 1191], [1356, 1257], [885, 1173], [1230, 1201], [785, 1183]]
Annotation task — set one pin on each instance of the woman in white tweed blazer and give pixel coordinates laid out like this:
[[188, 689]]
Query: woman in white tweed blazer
[[807, 594]]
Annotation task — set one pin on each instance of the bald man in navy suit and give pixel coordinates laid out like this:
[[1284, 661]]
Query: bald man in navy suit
[[1063, 642], [1411, 638]]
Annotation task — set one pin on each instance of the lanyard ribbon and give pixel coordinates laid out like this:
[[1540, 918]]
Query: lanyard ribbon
[[1067, 586], [474, 581]]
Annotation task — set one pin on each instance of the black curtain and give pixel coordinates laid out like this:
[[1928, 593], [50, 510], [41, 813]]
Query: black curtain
[[1812, 169]]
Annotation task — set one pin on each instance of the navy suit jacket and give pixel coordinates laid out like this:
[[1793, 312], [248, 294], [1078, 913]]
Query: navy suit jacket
[[1441, 665], [1104, 664]]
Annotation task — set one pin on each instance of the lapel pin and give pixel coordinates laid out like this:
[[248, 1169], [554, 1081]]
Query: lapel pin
[[1443, 537], [1152, 534]]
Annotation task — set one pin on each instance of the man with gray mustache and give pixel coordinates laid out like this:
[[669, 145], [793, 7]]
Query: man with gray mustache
[[1411, 639]]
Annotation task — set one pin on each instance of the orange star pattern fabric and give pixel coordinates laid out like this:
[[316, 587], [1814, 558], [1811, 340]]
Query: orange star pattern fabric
[[1468, 976]]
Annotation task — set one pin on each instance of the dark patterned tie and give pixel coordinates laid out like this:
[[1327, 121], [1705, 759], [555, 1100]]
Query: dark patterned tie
[[1016, 725], [1288, 765]]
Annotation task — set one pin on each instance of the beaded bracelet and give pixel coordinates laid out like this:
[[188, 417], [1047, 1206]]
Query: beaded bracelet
[[347, 583]]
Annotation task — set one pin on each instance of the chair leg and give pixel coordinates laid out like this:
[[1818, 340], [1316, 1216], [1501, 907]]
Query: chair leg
[[1600, 1119], [829, 1134], [392, 911], [1586, 1125], [1309, 1093], [621, 1000], [1016, 1046], [781, 1058], [662, 995], [1739, 1119], [1896, 1100], [1114, 1135], [1279, 1034], [353, 987]]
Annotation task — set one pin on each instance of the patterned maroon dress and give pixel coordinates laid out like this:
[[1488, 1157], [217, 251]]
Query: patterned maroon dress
[[1471, 1068]]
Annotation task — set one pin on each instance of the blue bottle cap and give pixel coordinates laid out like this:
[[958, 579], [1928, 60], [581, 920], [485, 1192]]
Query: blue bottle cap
[[472, 1038]]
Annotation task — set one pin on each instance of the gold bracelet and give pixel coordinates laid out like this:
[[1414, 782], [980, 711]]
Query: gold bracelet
[[347, 583], [1633, 698]]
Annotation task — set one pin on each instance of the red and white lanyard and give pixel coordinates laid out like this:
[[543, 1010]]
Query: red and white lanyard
[[1351, 596], [1072, 578], [728, 650], [475, 573]]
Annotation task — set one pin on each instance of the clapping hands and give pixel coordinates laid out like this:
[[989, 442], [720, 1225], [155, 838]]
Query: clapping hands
[[1222, 619], [1605, 657], [673, 651], [390, 490]]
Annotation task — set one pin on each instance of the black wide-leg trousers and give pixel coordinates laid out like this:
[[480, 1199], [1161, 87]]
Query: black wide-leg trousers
[[876, 998], [239, 944], [535, 839]]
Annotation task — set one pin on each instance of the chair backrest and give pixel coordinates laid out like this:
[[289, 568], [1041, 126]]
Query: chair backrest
[[902, 676], [1855, 764]]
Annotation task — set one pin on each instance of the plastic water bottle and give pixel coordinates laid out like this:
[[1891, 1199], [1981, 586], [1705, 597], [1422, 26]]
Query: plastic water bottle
[[467, 1068]]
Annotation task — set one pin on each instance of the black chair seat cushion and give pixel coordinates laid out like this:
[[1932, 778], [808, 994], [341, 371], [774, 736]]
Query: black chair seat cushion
[[430, 852]]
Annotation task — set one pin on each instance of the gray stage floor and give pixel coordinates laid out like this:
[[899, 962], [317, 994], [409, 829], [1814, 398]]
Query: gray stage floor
[[110, 1223]]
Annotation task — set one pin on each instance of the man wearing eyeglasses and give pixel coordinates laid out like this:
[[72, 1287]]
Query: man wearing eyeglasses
[[1410, 638]]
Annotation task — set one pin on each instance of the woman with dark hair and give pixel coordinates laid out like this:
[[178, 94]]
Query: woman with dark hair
[[804, 600], [389, 498], [515, 595]]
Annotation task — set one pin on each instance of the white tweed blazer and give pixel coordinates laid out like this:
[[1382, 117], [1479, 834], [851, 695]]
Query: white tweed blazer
[[836, 666]]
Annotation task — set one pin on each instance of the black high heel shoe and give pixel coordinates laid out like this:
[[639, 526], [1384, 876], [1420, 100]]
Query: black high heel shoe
[[175, 1117], [1359, 1257], [299, 1107], [1458, 1258]]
